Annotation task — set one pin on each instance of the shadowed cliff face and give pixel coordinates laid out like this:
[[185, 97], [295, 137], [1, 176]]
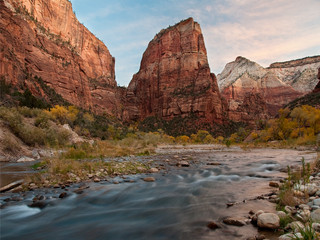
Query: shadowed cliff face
[[174, 78], [43, 38], [317, 87]]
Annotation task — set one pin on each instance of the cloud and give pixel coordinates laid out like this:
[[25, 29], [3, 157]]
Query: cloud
[[263, 31]]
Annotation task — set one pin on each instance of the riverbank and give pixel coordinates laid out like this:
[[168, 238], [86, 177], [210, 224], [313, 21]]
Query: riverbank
[[199, 182]]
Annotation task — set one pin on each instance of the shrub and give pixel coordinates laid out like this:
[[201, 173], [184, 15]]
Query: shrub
[[182, 139], [10, 145], [220, 139], [208, 139]]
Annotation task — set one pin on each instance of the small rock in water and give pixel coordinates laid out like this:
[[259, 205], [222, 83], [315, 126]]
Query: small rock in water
[[63, 195], [230, 204], [56, 186], [274, 184], [39, 204], [149, 179], [96, 179], [184, 164], [234, 221], [212, 225], [213, 163], [153, 170]]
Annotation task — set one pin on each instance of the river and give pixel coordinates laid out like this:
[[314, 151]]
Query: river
[[178, 205]]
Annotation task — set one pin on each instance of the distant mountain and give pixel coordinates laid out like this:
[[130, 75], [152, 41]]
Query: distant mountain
[[243, 81], [312, 99]]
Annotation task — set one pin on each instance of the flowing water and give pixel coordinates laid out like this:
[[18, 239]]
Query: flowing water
[[178, 205]]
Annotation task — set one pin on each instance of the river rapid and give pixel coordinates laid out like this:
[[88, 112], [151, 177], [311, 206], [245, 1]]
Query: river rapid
[[177, 205]]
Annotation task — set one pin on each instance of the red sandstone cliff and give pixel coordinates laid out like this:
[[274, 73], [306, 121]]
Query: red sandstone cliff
[[174, 78], [44, 38]]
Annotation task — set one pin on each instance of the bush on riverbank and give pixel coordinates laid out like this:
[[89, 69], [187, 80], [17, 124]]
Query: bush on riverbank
[[299, 126]]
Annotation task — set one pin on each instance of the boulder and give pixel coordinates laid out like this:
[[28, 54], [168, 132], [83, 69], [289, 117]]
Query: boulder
[[268, 220]]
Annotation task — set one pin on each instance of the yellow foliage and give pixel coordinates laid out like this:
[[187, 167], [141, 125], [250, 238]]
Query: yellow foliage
[[182, 139], [88, 118], [208, 139], [63, 114], [234, 137], [220, 139], [295, 133]]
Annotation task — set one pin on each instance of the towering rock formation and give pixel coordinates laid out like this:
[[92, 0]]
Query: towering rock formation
[[266, 89], [43, 38], [174, 78]]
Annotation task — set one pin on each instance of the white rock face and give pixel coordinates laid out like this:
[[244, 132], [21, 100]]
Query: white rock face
[[302, 78], [299, 74], [240, 68]]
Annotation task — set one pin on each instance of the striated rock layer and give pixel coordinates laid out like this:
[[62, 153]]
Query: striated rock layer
[[174, 78], [266, 90], [43, 38]]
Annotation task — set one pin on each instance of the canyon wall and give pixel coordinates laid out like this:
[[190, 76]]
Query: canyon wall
[[43, 38], [174, 78], [266, 89]]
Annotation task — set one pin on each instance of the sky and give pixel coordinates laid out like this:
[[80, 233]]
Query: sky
[[264, 31]]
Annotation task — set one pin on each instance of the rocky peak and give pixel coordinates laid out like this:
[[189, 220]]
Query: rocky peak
[[174, 78], [237, 69]]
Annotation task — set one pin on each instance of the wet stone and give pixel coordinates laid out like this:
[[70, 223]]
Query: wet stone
[[274, 184], [213, 225], [183, 164], [63, 195], [38, 204], [234, 221], [149, 179], [153, 170]]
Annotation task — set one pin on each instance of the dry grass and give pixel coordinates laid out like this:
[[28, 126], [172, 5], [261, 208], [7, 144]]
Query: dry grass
[[61, 171]]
